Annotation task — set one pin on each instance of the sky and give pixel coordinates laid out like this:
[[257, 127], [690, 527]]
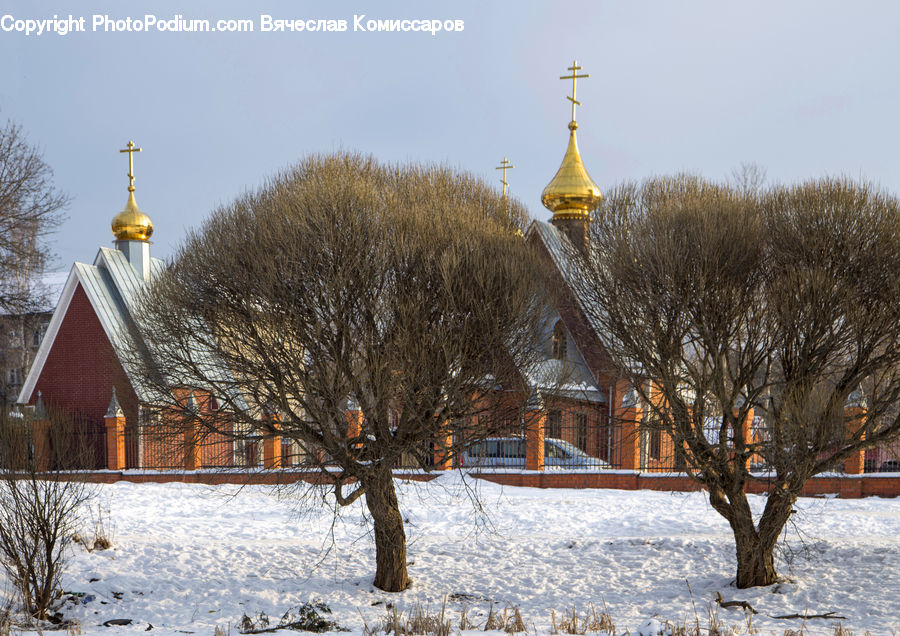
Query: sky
[[802, 89]]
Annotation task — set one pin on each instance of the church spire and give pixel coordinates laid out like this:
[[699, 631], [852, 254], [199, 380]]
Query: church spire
[[572, 194]]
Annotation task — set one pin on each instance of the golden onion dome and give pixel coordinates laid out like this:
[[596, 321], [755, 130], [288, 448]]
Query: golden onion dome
[[131, 224], [571, 193]]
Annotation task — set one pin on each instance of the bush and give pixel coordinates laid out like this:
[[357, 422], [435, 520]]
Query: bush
[[40, 511]]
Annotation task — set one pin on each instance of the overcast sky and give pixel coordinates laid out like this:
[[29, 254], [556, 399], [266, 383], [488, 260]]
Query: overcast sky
[[801, 88]]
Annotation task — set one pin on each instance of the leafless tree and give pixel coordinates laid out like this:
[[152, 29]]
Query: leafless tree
[[30, 206], [407, 290], [748, 179], [40, 509], [724, 302]]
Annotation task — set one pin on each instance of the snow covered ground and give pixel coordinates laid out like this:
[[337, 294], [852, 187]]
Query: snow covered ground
[[187, 558]]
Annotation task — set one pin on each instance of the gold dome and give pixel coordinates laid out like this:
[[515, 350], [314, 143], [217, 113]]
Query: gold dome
[[571, 194], [131, 224]]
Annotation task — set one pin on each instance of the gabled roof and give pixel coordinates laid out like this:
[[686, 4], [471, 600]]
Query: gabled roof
[[566, 379], [111, 285], [561, 250], [574, 308]]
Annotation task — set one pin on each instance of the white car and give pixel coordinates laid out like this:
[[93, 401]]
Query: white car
[[509, 452]]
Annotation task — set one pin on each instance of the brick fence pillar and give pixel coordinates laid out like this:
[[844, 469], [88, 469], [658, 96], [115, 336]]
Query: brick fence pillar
[[443, 442], [629, 416], [745, 433], [535, 421], [855, 417], [272, 441], [114, 422], [354, 416], [191, 450]]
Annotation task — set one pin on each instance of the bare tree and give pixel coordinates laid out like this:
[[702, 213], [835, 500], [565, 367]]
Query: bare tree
[[748, 178], [40, 508], [30, 206], [725, 302], [406, 290]]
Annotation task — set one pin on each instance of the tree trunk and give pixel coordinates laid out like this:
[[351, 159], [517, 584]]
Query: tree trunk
[[754, 549], [390, 537], [755, 562]]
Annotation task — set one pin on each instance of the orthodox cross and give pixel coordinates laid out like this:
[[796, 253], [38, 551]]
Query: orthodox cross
[[131, 150], [504, 166], [574, 77]]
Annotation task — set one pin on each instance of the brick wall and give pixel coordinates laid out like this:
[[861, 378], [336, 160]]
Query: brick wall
[[81, 369], [846, 487]]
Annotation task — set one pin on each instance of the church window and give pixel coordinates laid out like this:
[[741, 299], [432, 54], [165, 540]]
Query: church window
[[559, 341], [15, 376]]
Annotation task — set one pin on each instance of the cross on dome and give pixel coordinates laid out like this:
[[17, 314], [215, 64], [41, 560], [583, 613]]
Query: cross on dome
[[504, 166], [131, 150], [574, 77]]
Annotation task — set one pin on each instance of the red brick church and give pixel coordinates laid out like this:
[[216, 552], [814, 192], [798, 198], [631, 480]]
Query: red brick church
[[80, 368], [587, 422]]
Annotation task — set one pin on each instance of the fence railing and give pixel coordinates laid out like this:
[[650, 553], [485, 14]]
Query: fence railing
[[572, 441]]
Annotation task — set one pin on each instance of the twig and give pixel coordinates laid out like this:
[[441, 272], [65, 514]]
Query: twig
[[742, 604], [806, 616]]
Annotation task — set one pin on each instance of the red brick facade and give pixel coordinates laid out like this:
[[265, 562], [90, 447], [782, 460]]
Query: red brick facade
[[82, 367], [81, 370]]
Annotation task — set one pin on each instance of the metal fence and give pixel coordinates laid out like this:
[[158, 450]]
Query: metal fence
[[73, 444], [883, 459], [573, 441], [156, 448]]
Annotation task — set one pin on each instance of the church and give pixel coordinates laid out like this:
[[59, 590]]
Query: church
[[82, 369]]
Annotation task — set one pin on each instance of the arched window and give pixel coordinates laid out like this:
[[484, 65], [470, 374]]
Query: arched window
[[558, 341]]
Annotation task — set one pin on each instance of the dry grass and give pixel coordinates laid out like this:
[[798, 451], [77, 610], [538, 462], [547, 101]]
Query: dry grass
[[593, 621], [838, 629], [509, 621], [422, 621], [99, 535], [514, 624], [418, 620], [464, 623], [102, 529]]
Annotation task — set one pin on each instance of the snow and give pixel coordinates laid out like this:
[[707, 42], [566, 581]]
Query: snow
[[189, 557]]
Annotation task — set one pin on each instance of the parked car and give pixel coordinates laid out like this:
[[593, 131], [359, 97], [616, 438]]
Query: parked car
[[509, 452], [890, 466]]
